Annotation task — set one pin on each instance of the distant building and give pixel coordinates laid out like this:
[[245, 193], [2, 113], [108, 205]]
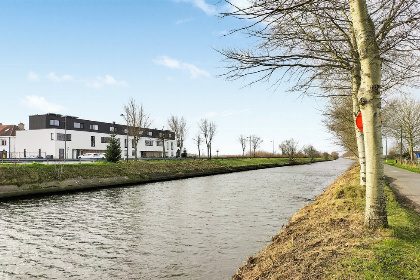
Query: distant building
[[8, 139], [57, 136]]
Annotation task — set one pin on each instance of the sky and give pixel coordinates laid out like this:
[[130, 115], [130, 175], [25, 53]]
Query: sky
[[88, 58]]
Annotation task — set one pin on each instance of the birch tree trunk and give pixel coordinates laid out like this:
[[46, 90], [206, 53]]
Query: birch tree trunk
[[359, 134], [370, 105]]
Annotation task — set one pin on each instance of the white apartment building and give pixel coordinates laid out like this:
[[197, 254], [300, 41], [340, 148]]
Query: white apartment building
[[58, 137]]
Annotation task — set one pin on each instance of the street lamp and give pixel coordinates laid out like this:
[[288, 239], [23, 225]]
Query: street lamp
[[122, 115], [65, 138], [249, 146], [273, 147], [217, 153]]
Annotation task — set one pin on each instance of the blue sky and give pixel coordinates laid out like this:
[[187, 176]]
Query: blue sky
[[87, 58]]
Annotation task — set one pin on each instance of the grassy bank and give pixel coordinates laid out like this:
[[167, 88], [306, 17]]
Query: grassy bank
[[18, 174], [327, 240], [410, 167]]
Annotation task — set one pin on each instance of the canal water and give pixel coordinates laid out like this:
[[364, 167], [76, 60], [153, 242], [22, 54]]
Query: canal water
[[199, 228]]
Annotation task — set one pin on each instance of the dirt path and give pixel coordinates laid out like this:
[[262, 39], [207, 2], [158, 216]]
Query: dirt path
[[406, 183]]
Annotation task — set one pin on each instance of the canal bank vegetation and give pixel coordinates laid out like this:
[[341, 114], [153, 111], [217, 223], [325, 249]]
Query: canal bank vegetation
[[327, 240], [132, 171]]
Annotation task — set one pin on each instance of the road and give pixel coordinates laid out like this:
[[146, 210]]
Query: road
[[406, 183]]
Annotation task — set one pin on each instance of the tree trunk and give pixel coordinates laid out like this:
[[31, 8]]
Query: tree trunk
[[370, 105], [411, 147], [135, 142], [163, 148], [359, 134]]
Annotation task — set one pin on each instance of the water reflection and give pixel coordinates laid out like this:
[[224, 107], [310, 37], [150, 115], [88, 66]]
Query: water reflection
[[201, 228]]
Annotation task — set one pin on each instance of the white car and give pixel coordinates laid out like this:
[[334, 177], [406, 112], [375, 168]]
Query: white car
[[89, 155]]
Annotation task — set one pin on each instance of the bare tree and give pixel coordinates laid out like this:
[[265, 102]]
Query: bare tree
[[324, 44], [242, 140], [404, 122], [208, 130], [198, 140], [137, 121], [256, 142], [179, 126], [289, 148], [162, 136], [340, 122]]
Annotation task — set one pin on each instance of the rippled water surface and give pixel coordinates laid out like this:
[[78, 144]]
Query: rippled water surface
[[200, 228]]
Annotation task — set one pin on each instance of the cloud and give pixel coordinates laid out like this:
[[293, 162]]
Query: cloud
[[39, 103], [202, 5], [195, 72], [32, 76], [53, 77], [99, 82], [171, 63], [168, 62], [181, 21]]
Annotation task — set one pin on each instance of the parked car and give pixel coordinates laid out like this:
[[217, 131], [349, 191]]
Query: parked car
[[34, 157], [89, 155], [102, 155]]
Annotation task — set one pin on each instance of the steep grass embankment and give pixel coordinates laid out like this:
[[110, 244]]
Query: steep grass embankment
[[26, 179], [327, 240]]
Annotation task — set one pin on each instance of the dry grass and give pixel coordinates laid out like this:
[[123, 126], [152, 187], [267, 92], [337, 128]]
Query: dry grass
[[319, 235]]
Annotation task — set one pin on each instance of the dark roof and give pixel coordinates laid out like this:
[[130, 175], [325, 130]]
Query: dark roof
[[8, 130]]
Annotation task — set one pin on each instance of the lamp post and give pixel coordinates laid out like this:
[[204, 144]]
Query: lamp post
[[65, 138], [217, 153], [273, 147], [163, 143], [122, 115]]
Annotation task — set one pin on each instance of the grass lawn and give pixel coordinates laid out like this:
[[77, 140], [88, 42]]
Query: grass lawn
[[18, 174], [413, 168]]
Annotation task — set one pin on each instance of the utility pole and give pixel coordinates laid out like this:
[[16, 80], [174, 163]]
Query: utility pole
[[250, 154]]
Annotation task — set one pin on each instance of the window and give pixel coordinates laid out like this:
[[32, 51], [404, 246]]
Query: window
[[63, 137], [55, 122], [133, 153], [3, 142], [78, 125], [125, 143], [133, 143], [94, 127], [92, 141], [105, 139], [113, 129], [160, 134], [148, 143], [52, 136], [125, 130], [169, 135], [172, 145], [150, 133]]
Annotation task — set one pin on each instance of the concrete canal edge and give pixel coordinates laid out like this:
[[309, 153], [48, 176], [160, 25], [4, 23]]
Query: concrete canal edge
[[81, 184]]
